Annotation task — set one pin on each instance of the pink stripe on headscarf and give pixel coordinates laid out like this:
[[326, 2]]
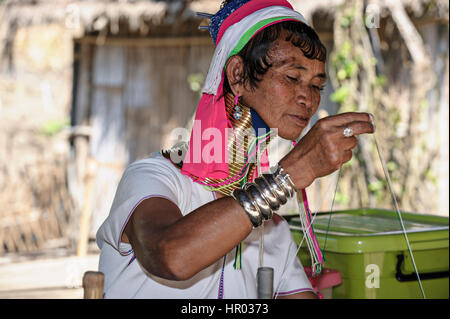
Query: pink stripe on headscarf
[[210, 113], [247, 9]]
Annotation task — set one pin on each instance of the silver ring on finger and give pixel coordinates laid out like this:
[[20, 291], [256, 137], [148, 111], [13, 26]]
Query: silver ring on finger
[[348, 132]]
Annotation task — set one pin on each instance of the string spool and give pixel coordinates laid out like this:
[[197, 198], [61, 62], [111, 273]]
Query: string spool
[[264, 281]]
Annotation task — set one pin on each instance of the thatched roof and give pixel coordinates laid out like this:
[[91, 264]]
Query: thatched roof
[[96, 16], [416, 8], [139, 16]]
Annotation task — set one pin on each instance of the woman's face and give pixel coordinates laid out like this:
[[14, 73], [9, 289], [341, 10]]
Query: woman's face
[[289, 93]]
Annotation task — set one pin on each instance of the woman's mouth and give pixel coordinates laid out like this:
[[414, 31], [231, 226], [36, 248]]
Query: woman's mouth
[[299, 120]]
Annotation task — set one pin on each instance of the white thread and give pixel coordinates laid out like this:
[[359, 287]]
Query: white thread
[[313, 216], [388, 178], [261, 245]]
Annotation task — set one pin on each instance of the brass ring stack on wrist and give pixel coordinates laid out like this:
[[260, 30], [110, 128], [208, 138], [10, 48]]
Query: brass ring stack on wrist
[[266, 195]]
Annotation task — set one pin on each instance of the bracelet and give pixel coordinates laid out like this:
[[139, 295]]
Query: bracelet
[[249, 206], [285, 181], [286, 176], [255, 192], [261, 198], [268, 193], [278, 190]]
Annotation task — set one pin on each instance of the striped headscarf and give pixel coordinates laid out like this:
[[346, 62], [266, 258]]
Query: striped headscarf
[[231, 28]]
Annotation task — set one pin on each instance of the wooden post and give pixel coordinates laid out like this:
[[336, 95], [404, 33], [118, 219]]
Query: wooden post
[[85, 220], [93, 282]]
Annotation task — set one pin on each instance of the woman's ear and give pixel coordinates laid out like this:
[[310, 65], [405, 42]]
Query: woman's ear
[[235, 71]]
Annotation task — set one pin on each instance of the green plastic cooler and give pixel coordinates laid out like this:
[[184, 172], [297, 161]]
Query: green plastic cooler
[[368, 248]]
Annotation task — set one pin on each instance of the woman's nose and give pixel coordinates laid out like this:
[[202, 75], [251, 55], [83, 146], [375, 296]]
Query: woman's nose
[[304, 97]]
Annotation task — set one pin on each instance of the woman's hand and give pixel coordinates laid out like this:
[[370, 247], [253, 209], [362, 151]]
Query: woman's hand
[[324, 149]]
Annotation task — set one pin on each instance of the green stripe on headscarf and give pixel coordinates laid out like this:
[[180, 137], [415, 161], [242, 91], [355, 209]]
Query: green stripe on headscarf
[[253, 30]]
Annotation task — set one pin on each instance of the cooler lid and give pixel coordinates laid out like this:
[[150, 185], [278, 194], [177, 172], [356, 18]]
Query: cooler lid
[[371, 222], [370, 229]]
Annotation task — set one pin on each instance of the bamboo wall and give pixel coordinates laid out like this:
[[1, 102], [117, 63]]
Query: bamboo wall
[[130, 94], [34, 105]]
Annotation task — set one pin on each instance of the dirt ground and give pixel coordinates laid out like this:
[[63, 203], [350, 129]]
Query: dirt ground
[[44, 277], [43, 293]]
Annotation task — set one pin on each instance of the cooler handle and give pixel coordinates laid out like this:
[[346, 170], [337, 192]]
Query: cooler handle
[[412, 277]]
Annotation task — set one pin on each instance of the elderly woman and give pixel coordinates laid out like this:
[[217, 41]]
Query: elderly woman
[[190, 227]]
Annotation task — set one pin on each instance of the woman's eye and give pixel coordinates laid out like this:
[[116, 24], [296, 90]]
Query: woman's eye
[[293, 79], [320, 88]]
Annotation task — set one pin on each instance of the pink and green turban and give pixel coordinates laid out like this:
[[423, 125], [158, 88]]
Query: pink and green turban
[[231, 28]]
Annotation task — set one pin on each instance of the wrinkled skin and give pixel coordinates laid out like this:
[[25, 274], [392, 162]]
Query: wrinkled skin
[[286, 98]]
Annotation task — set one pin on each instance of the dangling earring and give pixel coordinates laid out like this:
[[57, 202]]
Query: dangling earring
[[237, 110]]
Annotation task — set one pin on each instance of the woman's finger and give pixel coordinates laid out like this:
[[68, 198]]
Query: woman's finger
[[349, 143], [358, 127], [343, 119]]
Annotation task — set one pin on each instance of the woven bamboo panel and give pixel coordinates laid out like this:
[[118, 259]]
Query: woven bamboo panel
[[34, 213]]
